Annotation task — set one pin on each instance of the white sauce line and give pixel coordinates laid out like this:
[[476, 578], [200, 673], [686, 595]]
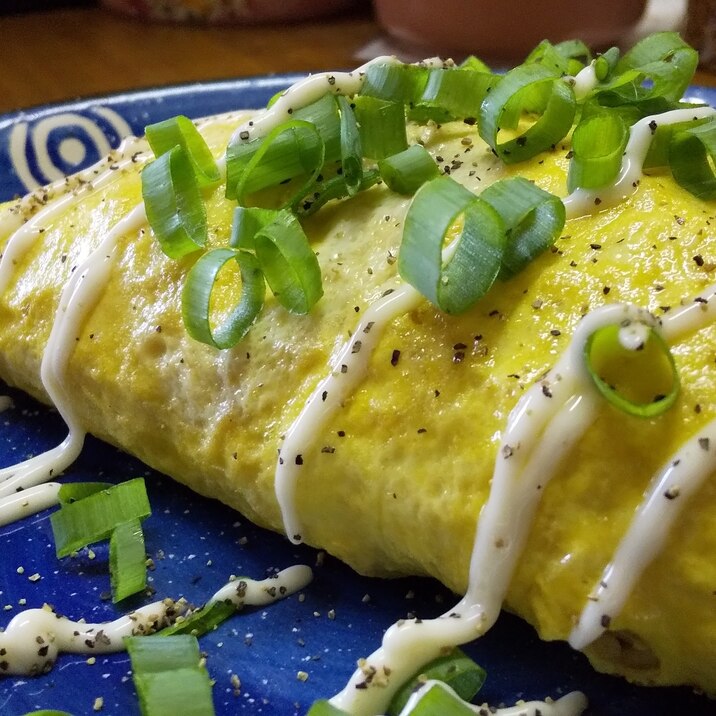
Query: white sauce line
[[570, 705], [35, 637], [28, 502]]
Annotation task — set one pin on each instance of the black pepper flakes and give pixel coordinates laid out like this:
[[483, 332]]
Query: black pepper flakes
[[299, 459], [605, 621], [704, 443], [698, 260], [395, 357]]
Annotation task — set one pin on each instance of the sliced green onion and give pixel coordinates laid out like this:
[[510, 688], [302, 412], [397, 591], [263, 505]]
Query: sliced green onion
[[127, 560], [382, 127], [169, 676], [201, 621], [456, 284], [474, 63], [547, 55], [407, 171], [334, 188], [456, 669], [597, 149], [533, 219], [280, 161], [662, 136], [247, 221], [395, 82], [180, 130], [534, 88], [666, 59], [692, 154], [73, 491], [325, 708], [92, 519], [173, 202], [197, 298], [351, 151], [305, 154], [605, 63], [289, 265], [627, 378], [661, 66], [574, 50], [48, 712], [437, 701], [458, 91]]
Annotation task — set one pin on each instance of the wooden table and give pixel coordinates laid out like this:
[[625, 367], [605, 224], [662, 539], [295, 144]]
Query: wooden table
[[64, 54]]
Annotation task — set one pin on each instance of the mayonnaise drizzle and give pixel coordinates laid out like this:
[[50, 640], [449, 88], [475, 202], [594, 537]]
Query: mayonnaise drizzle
[[570, 705], [584, 81], [310, 89], [347, 371], [28, 502], [78, 296], [35, 637]]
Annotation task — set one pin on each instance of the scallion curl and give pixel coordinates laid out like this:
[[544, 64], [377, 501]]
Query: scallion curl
[[532, 88], [181, 131], [533, 219], [288, 263], [692, 157], [458, 282], [303, 155], [616, 370], [598, 144], [351, 149], [197, 297], [407, 171], [173, 203]]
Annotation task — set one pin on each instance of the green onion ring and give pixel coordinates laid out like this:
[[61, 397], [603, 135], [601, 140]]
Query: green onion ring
[[180, 130], [289, 264], [308, 152], [609, 336], [458, 283], [173, 202], [198, 288], [351, 151], [533, 219], [553, 97], [407, 171], [692, 153], [598, 144], [127, 560]]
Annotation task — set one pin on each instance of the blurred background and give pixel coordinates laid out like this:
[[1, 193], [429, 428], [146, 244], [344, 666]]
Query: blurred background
[[52, 50]]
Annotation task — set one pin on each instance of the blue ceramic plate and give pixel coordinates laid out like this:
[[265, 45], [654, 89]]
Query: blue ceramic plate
[[197, 543]]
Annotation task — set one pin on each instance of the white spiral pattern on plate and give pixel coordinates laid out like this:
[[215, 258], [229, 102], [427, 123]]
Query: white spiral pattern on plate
[[32, 140]]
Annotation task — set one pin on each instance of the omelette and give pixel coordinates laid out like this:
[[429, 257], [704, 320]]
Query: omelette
[[483, 420]]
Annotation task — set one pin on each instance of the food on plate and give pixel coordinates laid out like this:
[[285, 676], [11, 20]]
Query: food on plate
[[522, 345]]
